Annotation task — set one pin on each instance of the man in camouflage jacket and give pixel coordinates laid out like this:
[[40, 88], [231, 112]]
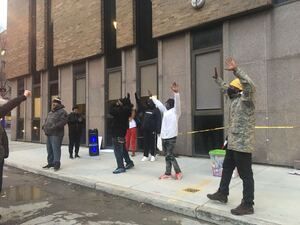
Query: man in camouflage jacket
[[240, 138]]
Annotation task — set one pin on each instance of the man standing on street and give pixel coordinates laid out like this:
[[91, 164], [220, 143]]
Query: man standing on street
[[5, 108], [75, 124], [240, 138], [121, 111], [54, 130], [169, 131]]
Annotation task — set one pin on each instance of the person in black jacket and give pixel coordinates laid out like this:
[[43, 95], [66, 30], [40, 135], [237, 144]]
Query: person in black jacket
[[151, 126], [4, 110], [54, 130], [75, 124], [121, 112]]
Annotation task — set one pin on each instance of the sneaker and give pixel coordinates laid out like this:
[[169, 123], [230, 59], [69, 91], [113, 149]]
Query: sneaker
[[129, 166], [243, 209], [144, 159], [71, 157], [77, 156], [164, 176], [218, 196], [119, 170], [178, 176], [152, 158], [47, 166], [56, 168]]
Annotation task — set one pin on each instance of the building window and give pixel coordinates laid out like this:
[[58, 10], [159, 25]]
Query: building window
[[20, 110], [207, 101], [53, 85], [147, 46], [147, 80], [36, 105], [112, 54]]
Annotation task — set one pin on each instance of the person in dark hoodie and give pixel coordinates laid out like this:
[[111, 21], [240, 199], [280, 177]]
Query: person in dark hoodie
[[75, 124], [151, 125], [5, 108], [54, 130], [121, 111]]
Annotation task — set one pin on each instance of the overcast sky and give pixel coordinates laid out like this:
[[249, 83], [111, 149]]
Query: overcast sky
[[3, 14]]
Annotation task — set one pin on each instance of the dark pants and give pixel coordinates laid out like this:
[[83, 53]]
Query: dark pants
[[168, 147], [120, 152], [243, 162], [149, 142], [74, 139], [54, 150], [1, 173]]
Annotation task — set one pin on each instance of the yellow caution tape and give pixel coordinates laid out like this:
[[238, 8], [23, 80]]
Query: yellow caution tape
[[223, 128]]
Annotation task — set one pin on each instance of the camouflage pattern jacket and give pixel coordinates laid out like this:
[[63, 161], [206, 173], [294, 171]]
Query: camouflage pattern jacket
[[241, 114]]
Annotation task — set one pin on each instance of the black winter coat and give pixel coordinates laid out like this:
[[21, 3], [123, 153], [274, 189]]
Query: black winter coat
[[4, 110], [120, 119], [55, 121], [75, 123]]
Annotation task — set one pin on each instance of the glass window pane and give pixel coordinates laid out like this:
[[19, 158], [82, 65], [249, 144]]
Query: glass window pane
[[79, 69], [208, 95], [114, 85], [80, 91], [20, 128], [206, 141], [37, 102], [53, 74], [207, 38], [148, 80], [36, 130]]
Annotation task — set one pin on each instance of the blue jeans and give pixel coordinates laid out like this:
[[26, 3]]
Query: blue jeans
[[54, 150], [168, 147], [120, 152]]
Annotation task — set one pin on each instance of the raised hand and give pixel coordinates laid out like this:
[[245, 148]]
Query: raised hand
[[231, 64], [175, 87], [27, 93]]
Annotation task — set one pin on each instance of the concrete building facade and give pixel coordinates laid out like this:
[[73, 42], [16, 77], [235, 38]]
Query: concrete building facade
[[91, 53]]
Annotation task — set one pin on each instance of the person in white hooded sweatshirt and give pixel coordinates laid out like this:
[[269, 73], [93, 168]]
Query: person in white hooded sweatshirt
[[169, 130]]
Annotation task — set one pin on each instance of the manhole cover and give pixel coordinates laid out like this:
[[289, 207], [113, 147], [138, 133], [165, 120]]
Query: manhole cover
[[192, 190]]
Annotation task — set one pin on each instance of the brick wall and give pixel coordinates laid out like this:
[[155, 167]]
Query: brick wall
[[77, 27], [170, 16], [125, 14], [17, 61], [40, 35]]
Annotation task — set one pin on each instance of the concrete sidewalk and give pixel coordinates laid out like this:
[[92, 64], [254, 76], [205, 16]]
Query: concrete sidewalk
[[277, 194]]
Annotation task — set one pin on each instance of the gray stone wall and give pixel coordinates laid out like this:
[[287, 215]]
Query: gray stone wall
[[96, 96], [66, 93], [174, 65]]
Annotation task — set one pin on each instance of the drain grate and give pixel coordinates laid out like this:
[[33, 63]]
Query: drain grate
[[192, 190]]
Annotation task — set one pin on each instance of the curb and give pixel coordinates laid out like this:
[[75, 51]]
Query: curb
[[171, 204]]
